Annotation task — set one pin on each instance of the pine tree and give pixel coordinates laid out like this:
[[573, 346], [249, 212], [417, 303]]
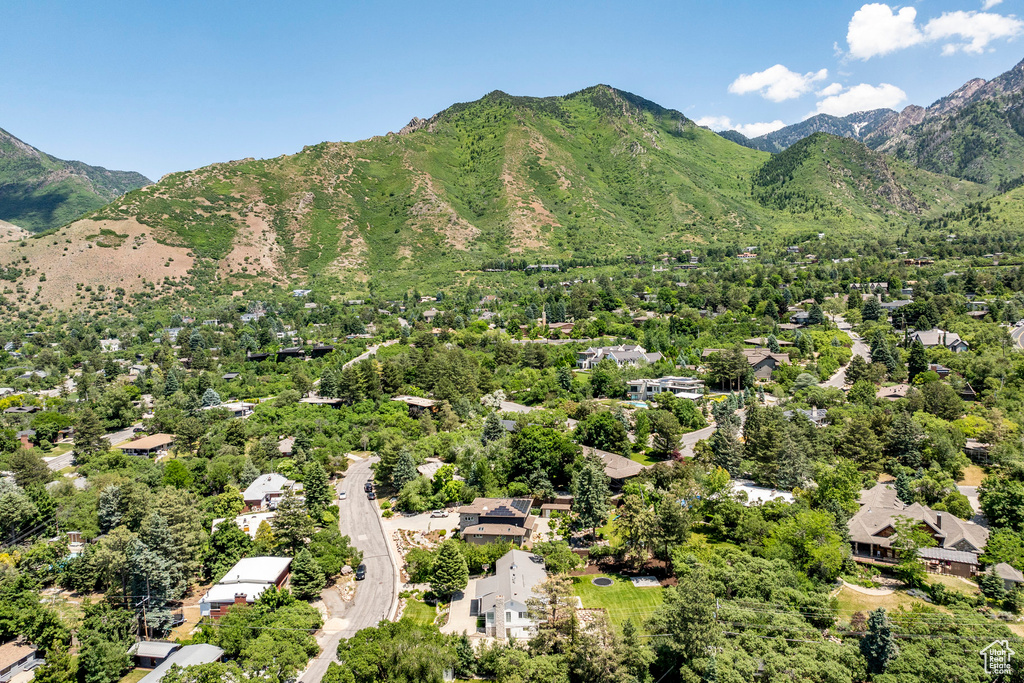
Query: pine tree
[[590, 495], [918, 361], [493, 431], [248, 474], [727, 449], [328, 383], [307, 577], [793, 465], [773, 344], [816, 316], [292, 525], [635, 656], [316, 488], [109, 511], [210, 398], [405, 469], [904, 490], [171, 384], [265, 542], [89, 433], [59, 667], [563, 376], [451, 573], [879, 644]]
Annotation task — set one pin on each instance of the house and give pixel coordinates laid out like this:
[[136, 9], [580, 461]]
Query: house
[[228, 376], [752, 494], [935, 337], [430, 314], [617, 468], [1011, 577], [237, 408], [417, 404], [502, 599], [957, 543], [624, 354], [298, 293], [148, 445], [189, 655], [110, 345], [763, 361], [248, 522], [643, 389], [22, 410], [893, 393], [891, 306], [486, 520], [17, 656], [27, 437], [817, 416], [746, 256], [244, 583], [320, 350], [173, 332], [941, 370], [290, 352], [762, 342], [149, 654], [977, 451], [265, 490], [800, 318]]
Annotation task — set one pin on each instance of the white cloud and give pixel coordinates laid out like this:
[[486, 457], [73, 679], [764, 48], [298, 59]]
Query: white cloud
[[751, 130], [831, 89], [777, 83], [876, 29], [862, 97], [976, 29]]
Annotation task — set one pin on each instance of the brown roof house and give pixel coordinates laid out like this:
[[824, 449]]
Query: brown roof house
[[763, 361], [957, 543], [149, 445], [497, 519]]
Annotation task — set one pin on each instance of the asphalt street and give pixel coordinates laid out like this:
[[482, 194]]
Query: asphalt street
[[375, 596]]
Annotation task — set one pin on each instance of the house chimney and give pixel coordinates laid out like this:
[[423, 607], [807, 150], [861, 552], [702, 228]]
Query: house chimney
[[499, 617], [240, 598], [938, 519]]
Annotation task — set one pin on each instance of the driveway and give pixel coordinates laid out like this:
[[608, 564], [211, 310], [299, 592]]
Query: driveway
[[370, 351], [376, 597], [838, 380], [690, 440], [459, 619]]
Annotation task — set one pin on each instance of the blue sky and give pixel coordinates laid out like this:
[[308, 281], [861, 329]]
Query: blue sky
[[166, 86]]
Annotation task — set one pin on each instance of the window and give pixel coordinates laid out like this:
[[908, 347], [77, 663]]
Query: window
[[508, 616], [522, 615]]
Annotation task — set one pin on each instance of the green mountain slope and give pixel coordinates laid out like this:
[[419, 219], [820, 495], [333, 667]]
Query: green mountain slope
[[826, 175], [595, 175], [39, 192]]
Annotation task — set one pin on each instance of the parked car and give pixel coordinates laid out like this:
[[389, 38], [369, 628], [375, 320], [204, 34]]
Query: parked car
[[342, 495], [371, 495], [439, 513], [360, 572], [368, 486]]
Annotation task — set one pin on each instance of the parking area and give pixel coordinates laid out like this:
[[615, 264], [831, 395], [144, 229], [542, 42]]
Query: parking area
[[459, 619], [422, 522]]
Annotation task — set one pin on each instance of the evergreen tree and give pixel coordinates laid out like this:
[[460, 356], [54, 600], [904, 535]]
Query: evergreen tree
[[228, 544], [563, 376], [918, 361], [635, 656], [871, 310], [151, 575], [109, 507], [307, 577], [879, 644], [292, 525], [89, 433], [248, 474], [451, 573], [793, 462], [210, 398], [727, 449], [903, 440], [493, 430], [171, 384], [328, 383], [904, 488], [773, 344], [316, 488], [816, 316], [59, 667], [196, 341], [265, 542], [590, 495], [405, 469]]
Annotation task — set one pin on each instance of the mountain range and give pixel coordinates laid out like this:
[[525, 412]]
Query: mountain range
[[975, 133], [594, 176], [41, 192]]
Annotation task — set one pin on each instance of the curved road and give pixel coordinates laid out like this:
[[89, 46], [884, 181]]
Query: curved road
[[376, 596], [859, 349]]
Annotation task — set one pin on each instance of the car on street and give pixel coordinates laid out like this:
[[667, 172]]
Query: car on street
[[439, 513], [360, 572], [343, 495], [371, 495], [368, 486]]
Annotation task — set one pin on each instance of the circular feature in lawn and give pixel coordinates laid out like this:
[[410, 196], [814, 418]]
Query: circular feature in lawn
[[602, 581]]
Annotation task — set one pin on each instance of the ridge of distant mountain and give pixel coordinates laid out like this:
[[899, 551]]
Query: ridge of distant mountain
[[591, 177], [40, 192], [975, 133]]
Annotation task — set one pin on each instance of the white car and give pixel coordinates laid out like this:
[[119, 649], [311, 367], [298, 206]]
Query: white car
[[439, 513], [342, 495]]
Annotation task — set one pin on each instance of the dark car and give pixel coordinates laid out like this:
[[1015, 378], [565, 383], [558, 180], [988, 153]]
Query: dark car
[[371, 495], [368, 486], [360, 572]]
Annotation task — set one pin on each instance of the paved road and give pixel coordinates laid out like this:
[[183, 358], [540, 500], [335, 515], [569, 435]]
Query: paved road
[[859, 349], [376, 596], [59, 462], [370, 350], [690, 439], [1017, 334], [117, 437]]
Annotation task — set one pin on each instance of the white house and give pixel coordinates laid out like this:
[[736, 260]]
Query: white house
[[501, 599], [643, 389], [625, 354], [266, 489], [244, 583]]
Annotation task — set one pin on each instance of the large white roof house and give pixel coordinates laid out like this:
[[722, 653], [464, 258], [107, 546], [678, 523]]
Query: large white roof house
[[624, 354], [501, 599], [265, 490], [244, 583]]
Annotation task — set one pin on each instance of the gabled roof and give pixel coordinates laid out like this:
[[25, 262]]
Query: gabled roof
[[190, 655], [880, 506], [615, 466], [517, 573], [513, 508], [264, 484], [936, 337]]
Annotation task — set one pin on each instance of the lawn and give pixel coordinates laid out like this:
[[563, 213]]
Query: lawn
[[135, 675], [645, 458], [955, 583], [622, 599], [973, 476], [851, 601], [419, 611]]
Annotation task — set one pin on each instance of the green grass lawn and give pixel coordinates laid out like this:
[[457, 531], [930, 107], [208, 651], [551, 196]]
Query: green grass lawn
[[645, 458], [419, 611], [955, 583], [135, 675], [622, 599]]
